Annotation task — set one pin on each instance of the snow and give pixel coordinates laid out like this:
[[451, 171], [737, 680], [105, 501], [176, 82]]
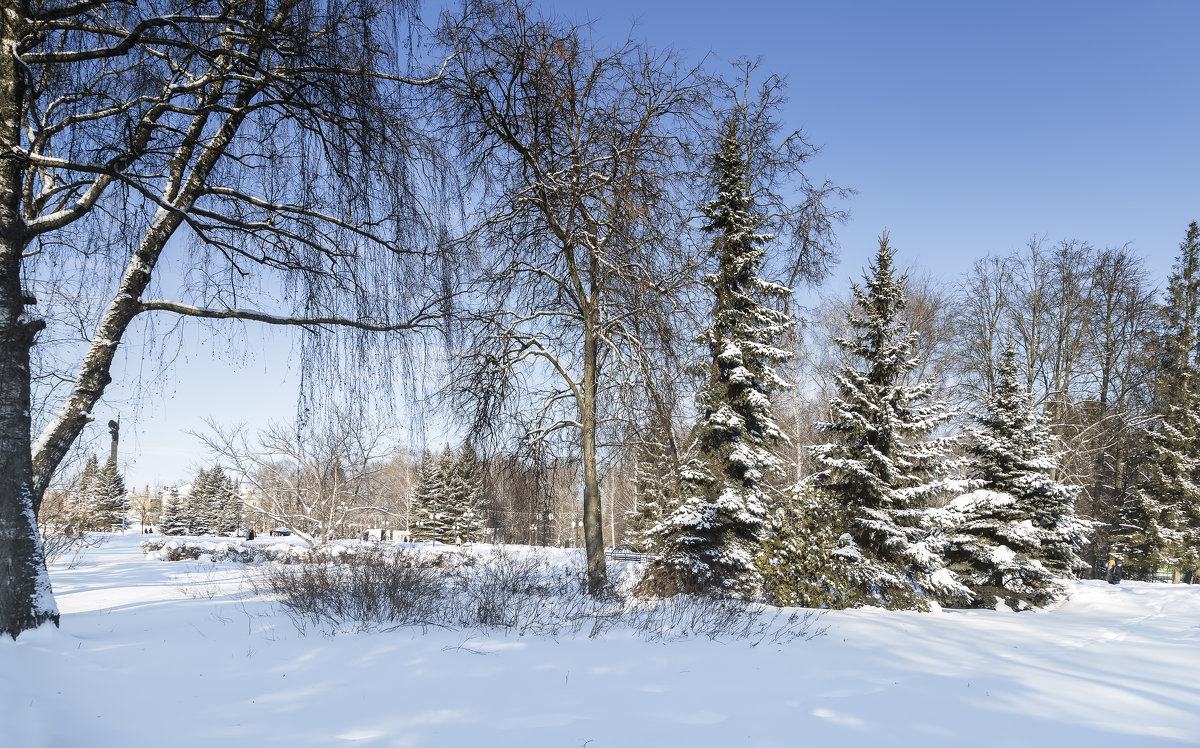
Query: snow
[[170, 653]]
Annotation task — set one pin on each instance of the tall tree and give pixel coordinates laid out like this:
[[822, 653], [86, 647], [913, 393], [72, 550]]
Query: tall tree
[[883, 467], [1160, 518], [269, 136], [577, 153], [709, 543], [429, 514]]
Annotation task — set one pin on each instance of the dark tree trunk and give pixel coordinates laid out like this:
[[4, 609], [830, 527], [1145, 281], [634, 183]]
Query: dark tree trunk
[[593, 516], [25, 598]]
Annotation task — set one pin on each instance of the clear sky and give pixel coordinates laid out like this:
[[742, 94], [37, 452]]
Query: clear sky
[[965, 127]]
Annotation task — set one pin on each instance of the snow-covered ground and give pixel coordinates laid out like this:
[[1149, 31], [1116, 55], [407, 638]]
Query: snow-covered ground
[[164, 654]]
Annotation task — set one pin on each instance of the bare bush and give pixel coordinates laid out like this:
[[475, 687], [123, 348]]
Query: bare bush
[[509, 592]]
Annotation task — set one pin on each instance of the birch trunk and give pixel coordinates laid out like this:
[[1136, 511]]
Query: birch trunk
[[26, 601]]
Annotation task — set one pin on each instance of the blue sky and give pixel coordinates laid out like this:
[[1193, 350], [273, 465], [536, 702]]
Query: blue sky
[[965, 127]]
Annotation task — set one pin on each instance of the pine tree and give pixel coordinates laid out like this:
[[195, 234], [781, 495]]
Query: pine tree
[[428, 503], [882, 470], [109, 504], [175, 520], [710, 542], [1159, 521], [798, 560]]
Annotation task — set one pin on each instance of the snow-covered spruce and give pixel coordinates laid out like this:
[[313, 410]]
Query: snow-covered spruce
[[654, 488], [710, 542], [447, 501], [1159, 521], [1009, 541], [882, 468]]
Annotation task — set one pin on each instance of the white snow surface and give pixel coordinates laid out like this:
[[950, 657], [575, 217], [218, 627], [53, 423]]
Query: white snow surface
[[155, 653]]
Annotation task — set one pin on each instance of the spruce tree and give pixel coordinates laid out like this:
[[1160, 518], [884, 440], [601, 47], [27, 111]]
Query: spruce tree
[[84, 494], [202, 502], [652, 491], [109, 503], [710, 542], [798, 560], [428, 503], [1159, 521], [1009, 540], [225, 502], [883, 468], [463, 491], [175, 520]]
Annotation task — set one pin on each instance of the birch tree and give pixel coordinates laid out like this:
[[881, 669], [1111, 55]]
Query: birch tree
[[268, 137], [574, 149]]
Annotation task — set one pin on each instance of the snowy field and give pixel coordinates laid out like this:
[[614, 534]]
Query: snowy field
[[169, 654]]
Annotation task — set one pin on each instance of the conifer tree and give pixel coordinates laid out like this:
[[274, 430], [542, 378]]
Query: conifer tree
[[1009, 540], [1159, 522], [710, 542], [206, 501], [463, 491], [84, 493], [226, 504], [653, 489], [175, 520], [109, 503], [883, 468], [428, 503], [798, 559]]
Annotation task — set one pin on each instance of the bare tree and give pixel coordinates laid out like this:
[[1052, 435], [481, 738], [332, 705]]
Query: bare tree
[[318, 480], [270, 136], [575, 149]]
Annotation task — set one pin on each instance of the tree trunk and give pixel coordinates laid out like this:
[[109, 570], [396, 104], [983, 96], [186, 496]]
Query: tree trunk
[[26, 601], [593, 516]]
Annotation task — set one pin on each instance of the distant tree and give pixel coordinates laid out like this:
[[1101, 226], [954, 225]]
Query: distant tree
[[202, 500], [109, 502], [316, 479], [709, 543], [883, 467], [462, 489], [175, 520], [430, 521], [653, 495]]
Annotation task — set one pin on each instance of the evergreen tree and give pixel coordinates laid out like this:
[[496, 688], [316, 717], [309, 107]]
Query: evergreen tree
[[84, 494], [1009, 540], [1159, 522], [462, 487], [226, 503], [653, 489], [428, 503], [175, 520], [798, 560], [109, 503], [710, 542], [883, 468], [203, 503]]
